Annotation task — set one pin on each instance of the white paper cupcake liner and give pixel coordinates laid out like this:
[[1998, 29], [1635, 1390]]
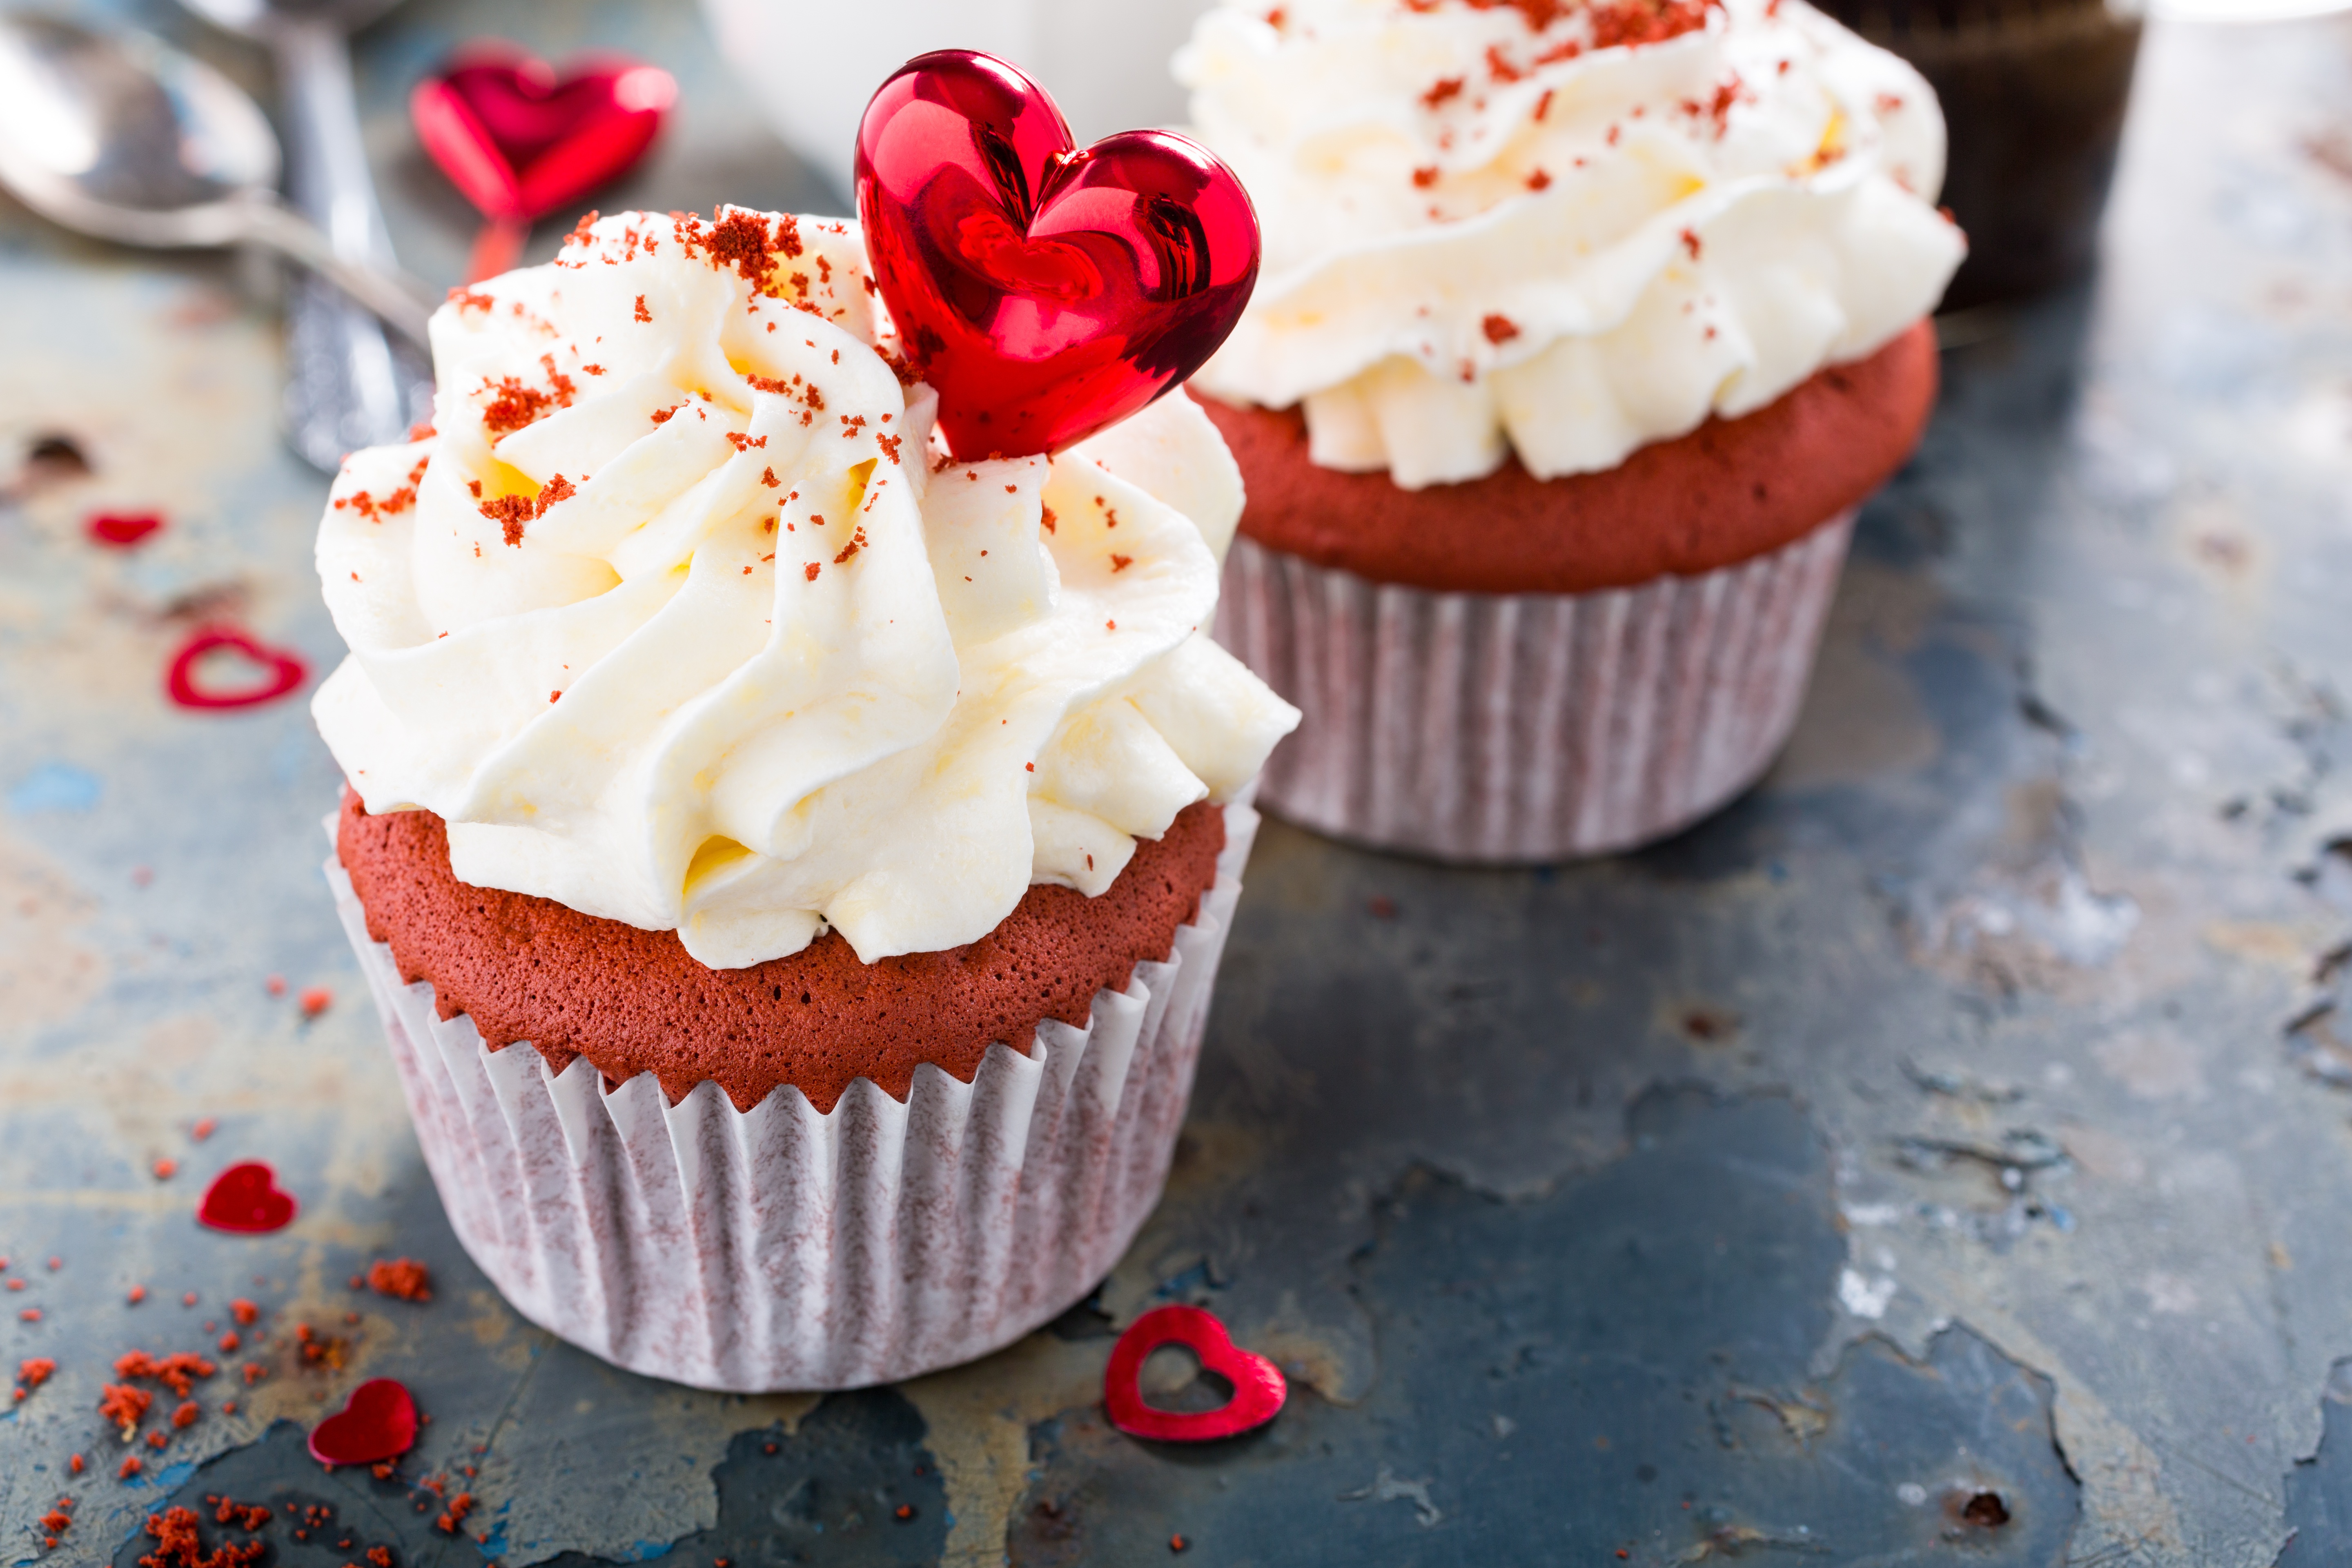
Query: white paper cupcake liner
[[1527, 727], [778, 1248]]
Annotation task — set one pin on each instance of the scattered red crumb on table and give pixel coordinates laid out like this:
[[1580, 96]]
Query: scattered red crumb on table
[[203, 1130], [277, 984], [166, 1169], [137, 1294], [244, 1311], [177, 1544], [316, 1000]]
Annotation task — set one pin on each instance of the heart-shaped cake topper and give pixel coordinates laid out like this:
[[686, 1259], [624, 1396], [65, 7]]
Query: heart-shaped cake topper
[[377, 1422], [1042, 290], [1258, 1386], [283, 671], [247, 1199], [522, 143]]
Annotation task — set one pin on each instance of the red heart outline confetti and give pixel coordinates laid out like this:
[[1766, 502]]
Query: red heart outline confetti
[[122, 531], [286, 670], [1259, 1388], [1043, 290], [377, 1422], [247, 1200]]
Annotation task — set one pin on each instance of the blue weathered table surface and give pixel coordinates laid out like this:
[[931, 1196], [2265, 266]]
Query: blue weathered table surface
[[1946, 1153]]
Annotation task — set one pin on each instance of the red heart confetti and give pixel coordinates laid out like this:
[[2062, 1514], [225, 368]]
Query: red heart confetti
[[286, 670], [1259, 1385], [120, 530], [521, 142], [247, 1199], [1044, 291], [377, 1422]]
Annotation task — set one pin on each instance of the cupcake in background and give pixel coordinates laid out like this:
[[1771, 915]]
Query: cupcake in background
[[2034, 93], [1582, 329], [791, 865]]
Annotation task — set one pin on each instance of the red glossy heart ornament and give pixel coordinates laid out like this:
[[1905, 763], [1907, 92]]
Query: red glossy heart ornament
[[245, 1198], [1259, 1385], [377, 1422], [285, 670], [1042, 290], [521, 142]]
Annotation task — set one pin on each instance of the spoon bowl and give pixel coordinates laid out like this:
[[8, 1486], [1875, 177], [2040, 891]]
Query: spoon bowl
[[119, 135], [123, 136]]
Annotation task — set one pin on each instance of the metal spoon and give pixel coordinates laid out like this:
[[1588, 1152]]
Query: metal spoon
[[121, 136], [348, 387]]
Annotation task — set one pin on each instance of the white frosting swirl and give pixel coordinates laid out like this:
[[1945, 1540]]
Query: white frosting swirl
[[674, 622], [1478, 229]]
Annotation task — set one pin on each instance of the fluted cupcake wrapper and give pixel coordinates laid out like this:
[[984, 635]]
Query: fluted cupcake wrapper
[[781, 1248], [1527, 727]]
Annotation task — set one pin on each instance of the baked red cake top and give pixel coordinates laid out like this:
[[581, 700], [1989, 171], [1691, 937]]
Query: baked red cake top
[[1729, 491], [633, 1001]]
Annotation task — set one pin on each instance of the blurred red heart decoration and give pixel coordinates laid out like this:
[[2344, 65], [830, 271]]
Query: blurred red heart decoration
[[521, 141], [1259, 1385], [1044, 291], [120, 530], [286, 670], [377, 1422], [245, 1198]]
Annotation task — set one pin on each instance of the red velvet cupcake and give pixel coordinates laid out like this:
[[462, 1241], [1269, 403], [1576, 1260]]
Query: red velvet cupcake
[[1585, 326], [792, 865]]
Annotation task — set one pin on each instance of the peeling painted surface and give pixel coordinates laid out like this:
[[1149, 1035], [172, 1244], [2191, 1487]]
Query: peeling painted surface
[[1941, 1155]]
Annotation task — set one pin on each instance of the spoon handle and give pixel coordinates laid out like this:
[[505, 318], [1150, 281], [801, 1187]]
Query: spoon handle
[[392, 296], [348, 385]]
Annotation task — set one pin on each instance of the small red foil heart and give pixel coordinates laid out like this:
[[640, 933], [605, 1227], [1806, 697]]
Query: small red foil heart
[[521, 141], [120, 530], [1042, 290], [285, 670], [247, 1199], [377, 1422], [1258, 1386]]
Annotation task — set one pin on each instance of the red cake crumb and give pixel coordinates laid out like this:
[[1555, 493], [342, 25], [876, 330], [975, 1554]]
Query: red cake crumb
[[403, 1278], [178, 1545], [124, 1407]]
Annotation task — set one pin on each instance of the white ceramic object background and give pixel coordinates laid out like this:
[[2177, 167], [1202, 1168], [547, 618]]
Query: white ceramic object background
[[812, 65], [778, 1248], [1527, 727]]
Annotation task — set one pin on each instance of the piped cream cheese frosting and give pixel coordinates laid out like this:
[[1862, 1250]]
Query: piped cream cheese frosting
[[678, 618], [1563, 228]]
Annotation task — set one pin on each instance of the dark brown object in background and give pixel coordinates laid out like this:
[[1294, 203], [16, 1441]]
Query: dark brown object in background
[[2034, 96]]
